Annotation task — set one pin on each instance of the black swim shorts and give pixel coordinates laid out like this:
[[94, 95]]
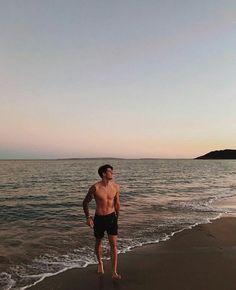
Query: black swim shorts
[[104, 223]]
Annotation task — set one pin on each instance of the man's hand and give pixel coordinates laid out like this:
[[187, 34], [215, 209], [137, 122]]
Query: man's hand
[[89, 222]]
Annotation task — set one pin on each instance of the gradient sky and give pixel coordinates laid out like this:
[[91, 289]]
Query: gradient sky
[[117, 78]]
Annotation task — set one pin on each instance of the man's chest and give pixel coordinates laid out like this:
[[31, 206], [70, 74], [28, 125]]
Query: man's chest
[[103, 194]]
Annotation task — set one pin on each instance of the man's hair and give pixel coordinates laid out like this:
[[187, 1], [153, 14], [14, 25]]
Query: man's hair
[[102, 169]]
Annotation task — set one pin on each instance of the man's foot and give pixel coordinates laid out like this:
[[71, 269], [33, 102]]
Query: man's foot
[[100, 268], [116, 277]]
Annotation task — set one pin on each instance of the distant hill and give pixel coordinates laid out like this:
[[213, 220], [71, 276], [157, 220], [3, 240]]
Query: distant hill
[[219, 154]]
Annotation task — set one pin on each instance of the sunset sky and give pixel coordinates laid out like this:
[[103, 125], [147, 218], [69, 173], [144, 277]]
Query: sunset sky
[[128, 79]]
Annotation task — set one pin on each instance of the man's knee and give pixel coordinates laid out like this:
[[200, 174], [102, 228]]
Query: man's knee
[[113, 244], [98, 243]]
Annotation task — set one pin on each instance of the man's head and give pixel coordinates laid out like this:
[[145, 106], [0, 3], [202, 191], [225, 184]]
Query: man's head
[[105, 171]]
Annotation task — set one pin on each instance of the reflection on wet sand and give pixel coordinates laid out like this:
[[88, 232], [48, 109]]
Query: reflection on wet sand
[[102, 285]]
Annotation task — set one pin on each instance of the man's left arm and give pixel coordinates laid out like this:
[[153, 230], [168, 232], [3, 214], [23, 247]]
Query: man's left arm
[[117, 200]]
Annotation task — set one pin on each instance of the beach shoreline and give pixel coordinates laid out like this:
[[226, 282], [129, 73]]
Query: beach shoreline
[[203, 257]]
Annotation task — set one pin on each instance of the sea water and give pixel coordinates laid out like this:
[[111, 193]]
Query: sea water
[[42, 224]]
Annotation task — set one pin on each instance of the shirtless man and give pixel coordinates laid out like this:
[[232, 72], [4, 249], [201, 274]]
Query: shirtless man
[[106, 194]]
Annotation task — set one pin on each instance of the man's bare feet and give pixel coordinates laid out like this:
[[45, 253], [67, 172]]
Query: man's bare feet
[[100, 268], [116, 277]]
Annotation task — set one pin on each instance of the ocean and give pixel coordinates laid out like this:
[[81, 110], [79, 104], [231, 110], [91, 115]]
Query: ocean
[[42, 224]]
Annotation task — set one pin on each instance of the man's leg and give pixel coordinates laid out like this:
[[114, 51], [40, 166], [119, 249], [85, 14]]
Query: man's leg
[[98, 251], [113, 246]]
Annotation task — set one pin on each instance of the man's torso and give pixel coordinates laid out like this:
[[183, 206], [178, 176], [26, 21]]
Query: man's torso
[[104, 197]]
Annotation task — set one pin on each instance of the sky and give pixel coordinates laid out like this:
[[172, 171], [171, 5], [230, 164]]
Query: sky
[[129, 79]]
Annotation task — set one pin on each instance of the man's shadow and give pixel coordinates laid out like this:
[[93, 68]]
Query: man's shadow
[[102, 285]]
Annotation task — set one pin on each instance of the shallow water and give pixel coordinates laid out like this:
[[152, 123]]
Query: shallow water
[[42, 225]]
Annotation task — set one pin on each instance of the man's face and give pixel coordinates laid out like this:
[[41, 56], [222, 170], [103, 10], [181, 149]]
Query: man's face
[[109, 173]]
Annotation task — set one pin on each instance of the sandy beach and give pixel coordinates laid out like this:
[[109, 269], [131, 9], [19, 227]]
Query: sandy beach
[[201, 258]]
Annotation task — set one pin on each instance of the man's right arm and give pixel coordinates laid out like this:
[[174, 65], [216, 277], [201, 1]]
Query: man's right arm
[[87, 199]]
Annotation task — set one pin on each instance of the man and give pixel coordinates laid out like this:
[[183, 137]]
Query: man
[[106, 194]]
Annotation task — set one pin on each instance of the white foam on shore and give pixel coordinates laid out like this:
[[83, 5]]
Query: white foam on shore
[[123, 251], [7, 280], [45, 275], [66, 264], [129, 245]]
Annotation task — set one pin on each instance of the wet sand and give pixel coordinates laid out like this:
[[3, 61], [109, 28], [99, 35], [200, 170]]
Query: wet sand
[[202, 258]]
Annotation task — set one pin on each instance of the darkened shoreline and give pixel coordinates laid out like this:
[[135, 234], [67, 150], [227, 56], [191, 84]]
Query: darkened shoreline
[[201, 258]]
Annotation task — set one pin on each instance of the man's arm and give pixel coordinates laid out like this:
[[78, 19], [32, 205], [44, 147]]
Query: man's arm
[[87, 200], [117, 201]]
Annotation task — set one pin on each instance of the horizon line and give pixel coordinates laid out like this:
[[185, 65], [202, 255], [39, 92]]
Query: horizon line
[[97, 158]]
